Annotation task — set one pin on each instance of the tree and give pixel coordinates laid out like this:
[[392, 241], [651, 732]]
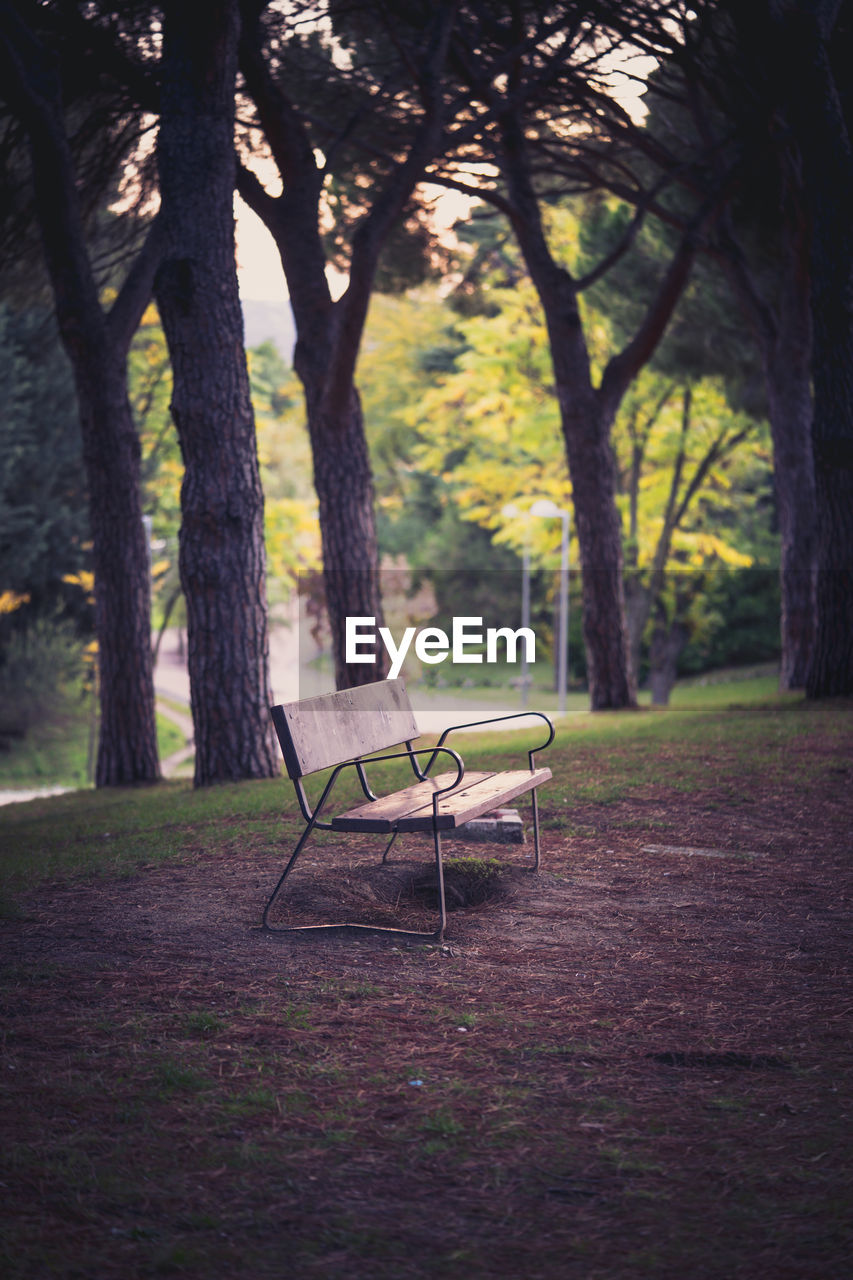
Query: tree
[[686, 435], [789, 61], [707, 349], [222, 559], [802, 38], [690, 470], [407, 79], [537, 75], [96, 340], [714, 109]]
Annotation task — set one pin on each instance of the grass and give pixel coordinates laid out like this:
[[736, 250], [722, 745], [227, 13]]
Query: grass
[[58, 753], [596, 759]]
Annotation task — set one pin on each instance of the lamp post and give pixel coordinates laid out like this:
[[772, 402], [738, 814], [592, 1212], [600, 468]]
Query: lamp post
[[511, 512], [549, 510]]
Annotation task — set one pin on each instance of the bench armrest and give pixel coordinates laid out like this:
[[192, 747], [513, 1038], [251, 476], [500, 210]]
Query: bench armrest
[[313, 816], [515, 715], [410, 754]]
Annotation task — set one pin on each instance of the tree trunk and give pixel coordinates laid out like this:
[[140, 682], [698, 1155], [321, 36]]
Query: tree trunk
[[127, 745], [784, 340], [592, 471], [789, 397], [222, 558], [828, 183], [586, 432], [788, 42], [667, 644], [344, 484]]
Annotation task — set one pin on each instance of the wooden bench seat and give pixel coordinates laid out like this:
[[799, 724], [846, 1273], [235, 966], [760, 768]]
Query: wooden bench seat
[[411, 809], [345, 730]]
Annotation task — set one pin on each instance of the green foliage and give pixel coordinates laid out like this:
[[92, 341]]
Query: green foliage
[[41, 680], [292, 534], [707, 336], [284, 454], [149, 377], [472, 428], [44, 528]]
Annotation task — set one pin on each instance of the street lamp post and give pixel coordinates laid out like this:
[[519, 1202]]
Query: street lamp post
[[511, 512], [549, 510]]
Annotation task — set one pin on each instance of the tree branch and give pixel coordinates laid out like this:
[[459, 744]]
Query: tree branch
[[283, 127], [624, 367], [370, 235], [129, 307]]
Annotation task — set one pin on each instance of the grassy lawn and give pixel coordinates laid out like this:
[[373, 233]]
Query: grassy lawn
[[59, 752], [596, 758], [639, 1066]]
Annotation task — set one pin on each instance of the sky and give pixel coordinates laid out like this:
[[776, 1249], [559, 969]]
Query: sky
[[258, 264]]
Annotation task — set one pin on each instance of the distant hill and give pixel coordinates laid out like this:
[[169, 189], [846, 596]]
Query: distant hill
[[269, 322]]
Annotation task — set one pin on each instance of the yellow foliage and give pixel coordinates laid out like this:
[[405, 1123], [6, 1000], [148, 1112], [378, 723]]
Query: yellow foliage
[[84, 579], [10, 601], [292, 536]]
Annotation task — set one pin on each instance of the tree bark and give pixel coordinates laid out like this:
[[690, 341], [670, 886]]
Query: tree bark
[[127, 743], [788, 43], [827, 157], [612, 680], [667, 645], [344, 484], [782, 332], [789, 396], [96, 343], [221, 557]]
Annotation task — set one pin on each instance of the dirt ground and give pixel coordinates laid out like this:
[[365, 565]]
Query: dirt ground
[[637, 1063]]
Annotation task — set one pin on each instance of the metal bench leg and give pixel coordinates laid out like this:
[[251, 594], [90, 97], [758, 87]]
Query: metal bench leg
[[352, 928], [388, 847], [296, 852], [536, 851], [439, 877]]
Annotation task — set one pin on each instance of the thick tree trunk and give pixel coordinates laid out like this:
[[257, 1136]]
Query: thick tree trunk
[[784, 340], [790, 410], [586, 432], [222, 559], [788, 42], [344, 484], [827, 151], [592, 470], [127, 745], [667, 644]]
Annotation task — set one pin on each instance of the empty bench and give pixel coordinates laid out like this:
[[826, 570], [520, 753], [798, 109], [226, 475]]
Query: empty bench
[[339, 731]]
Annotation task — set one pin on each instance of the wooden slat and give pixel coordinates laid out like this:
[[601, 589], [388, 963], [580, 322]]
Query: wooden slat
[[468, 802], [411, 809], [384, 814], [319, 732]]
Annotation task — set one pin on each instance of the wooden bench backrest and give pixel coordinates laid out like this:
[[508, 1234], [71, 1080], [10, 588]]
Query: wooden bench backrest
[[319, 732]]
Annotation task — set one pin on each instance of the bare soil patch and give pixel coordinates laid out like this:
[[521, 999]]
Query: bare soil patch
[[634, 1064]]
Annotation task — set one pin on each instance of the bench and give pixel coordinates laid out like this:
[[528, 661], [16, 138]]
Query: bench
[[339, 731]]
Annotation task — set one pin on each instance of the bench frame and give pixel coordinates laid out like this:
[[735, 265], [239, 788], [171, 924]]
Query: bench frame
[[299, 724]]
